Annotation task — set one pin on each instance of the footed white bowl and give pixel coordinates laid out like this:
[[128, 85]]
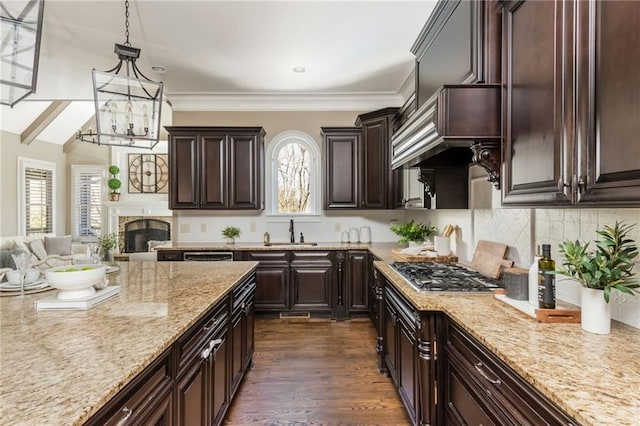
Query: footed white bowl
[[76, 281], [30, 275]]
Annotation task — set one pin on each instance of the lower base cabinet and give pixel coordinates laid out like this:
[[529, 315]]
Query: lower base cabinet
[[482, 389], [193, 382], [409, 342], [445, 376]]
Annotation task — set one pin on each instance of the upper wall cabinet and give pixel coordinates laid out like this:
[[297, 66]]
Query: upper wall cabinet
[[216, 168], [572, 97], [357, 164]]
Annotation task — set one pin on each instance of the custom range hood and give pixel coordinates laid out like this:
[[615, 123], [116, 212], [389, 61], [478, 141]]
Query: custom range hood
[[454, 108], [458, 116]]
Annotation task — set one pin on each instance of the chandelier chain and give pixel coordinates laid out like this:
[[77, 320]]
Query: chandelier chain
[[126, 22]]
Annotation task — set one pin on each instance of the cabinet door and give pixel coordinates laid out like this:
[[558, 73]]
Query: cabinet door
[[184, 166], [192, 395], [218, 378], [375, 164], [341, 160], [272, 292], [161, 414], [311, 286], [312, 279], [358, 281], [214, 171], [244, 172], [608, 45], [407, 373], [538, 120], [390, 339]]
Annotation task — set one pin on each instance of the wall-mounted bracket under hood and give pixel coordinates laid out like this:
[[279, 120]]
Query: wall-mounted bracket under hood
[[458, 116]]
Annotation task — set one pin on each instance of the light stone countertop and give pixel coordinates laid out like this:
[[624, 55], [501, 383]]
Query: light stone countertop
[[594, 378], [61, 367]]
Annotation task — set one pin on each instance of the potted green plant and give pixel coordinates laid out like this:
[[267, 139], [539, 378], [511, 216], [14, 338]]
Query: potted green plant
[[231, 233], [609, 266], [413, 232], [107, 243], [114, 183]]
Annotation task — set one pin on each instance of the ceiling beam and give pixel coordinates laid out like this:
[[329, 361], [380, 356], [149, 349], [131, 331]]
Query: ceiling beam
[[70, 143], [39, 124]]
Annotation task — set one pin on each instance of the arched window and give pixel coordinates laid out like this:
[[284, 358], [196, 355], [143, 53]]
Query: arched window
[[293, 174]]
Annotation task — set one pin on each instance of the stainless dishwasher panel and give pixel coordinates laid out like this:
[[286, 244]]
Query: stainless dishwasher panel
[[207, 256]]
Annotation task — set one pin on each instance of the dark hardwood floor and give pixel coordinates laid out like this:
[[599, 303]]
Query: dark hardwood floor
[[316, 372]]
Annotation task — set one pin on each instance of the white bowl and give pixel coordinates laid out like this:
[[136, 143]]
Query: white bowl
[[76, 281], [31, 275]]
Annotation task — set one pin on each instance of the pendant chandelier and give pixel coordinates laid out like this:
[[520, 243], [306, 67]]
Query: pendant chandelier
[[20, 33], [127, 103]]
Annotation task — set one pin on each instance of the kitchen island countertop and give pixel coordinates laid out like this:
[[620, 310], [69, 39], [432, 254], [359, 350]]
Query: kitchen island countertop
[[61, 367]]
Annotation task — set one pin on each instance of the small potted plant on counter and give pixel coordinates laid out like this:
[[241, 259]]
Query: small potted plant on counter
[[107, 243], [413, 232], [231, 233], [609, 266], [114, 183]]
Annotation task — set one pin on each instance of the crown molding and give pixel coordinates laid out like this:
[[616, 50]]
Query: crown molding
[[278, 101]]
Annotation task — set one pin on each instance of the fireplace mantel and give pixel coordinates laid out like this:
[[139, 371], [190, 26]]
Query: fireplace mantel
[[116, 209]]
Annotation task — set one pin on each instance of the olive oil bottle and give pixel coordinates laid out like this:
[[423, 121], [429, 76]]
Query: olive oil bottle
[[546, 279]]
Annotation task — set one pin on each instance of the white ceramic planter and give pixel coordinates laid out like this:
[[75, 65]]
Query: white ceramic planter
[[596, 313]]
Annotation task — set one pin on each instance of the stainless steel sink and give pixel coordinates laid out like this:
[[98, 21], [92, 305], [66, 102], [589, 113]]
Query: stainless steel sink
[[291, 244]]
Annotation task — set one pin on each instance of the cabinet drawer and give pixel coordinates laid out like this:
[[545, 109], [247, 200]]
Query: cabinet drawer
[[170, 255], [191, 343], [518, 400], [267, 256], [244, 293], [310, 256], [144, 393]]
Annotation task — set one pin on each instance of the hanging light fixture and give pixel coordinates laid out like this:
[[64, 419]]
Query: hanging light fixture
[[20, 33], [127, 103]]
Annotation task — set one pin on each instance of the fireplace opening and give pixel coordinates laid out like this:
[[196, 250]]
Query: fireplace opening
[[138, 233]]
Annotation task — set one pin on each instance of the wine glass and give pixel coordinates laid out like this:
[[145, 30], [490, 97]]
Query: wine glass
[[22, 264]]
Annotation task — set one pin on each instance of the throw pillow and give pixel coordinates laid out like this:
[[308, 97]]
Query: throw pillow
[[6, 261], [37, 248], [58, 245]]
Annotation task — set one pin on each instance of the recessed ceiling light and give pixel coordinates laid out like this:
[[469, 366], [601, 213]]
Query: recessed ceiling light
[[159, 68], [299, 70]]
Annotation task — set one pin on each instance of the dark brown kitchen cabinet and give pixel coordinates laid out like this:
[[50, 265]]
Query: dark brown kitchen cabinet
[[272, 280], [341, 167], [357, 164], [572, 100], [201, 383], [144, 401], [242, 323], [481, 389], [608, 102], [381, 187], [410, 354], [312, 278], [358, 268], [216, 168]]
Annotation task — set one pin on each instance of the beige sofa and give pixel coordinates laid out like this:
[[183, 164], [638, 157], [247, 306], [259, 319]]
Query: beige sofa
[[48, 251]]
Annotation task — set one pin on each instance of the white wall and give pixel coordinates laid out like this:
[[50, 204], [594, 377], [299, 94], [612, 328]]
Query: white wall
[[11, 149]]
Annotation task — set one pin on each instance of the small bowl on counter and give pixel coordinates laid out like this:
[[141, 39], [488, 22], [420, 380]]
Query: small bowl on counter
[[76, 281], [30, 276]]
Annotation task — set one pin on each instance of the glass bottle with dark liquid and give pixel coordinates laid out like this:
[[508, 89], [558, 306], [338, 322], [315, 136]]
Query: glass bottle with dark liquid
[[546, 279]]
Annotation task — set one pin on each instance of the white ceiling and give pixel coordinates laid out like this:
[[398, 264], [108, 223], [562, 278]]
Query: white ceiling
[[231, 50]]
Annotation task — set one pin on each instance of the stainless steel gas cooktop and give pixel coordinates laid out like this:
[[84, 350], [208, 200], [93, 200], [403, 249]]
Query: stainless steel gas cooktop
[[431, 276]]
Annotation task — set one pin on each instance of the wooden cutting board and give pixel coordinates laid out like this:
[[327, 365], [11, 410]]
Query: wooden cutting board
[[397, 252], [488, 258]]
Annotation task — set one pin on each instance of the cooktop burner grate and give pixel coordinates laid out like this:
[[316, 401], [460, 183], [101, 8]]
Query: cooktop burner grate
[[429, 276]]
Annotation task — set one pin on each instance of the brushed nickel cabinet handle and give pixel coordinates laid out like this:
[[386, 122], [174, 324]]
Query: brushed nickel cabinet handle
[[127, 413], [480, 370]]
